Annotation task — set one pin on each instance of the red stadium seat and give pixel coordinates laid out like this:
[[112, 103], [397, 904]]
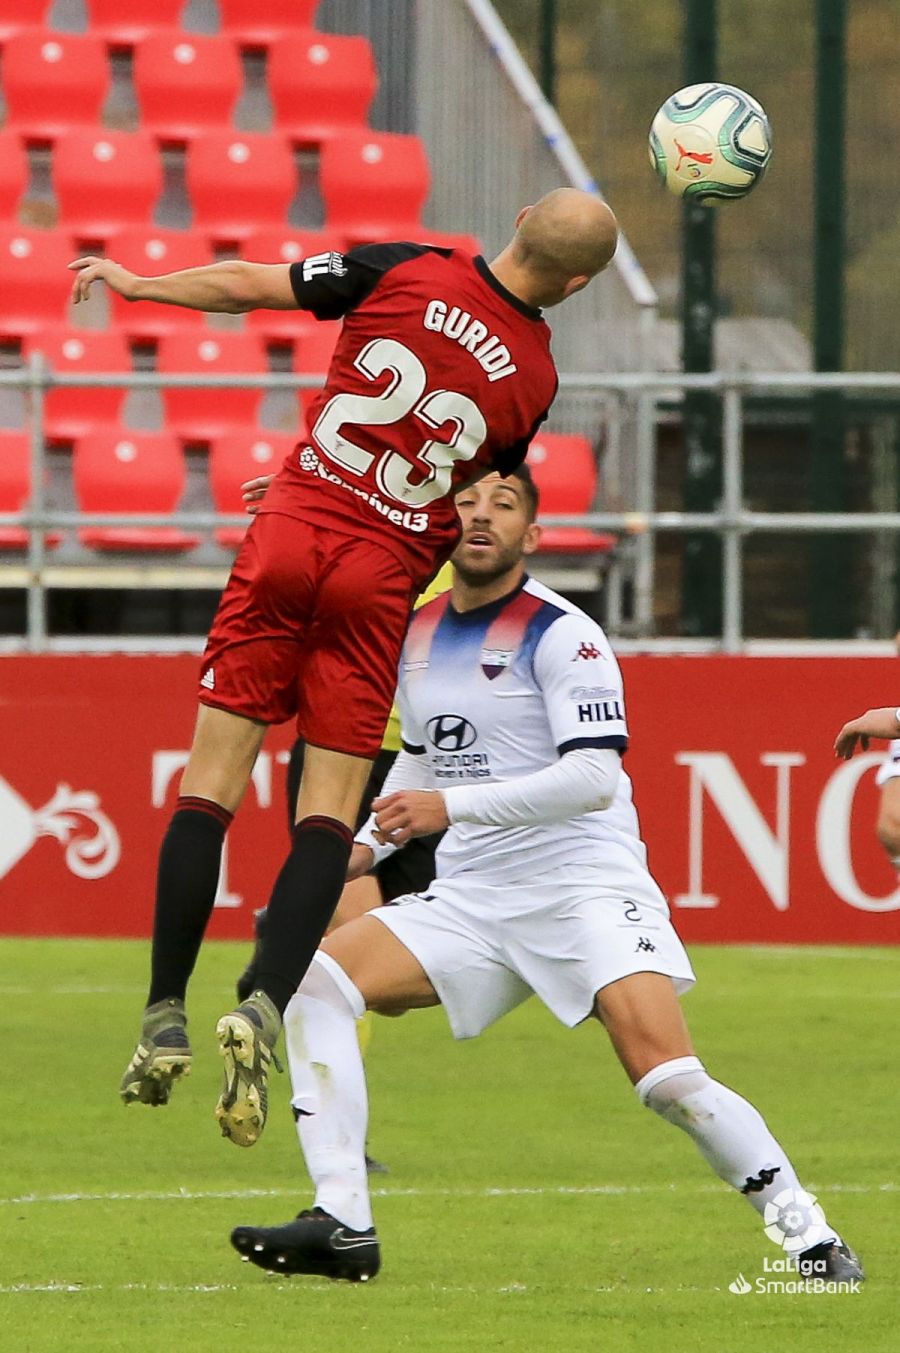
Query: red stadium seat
[[72, 413], [15, 486], [105, 180], [199, 415], [254, 24], [13, 174], [321, 85], [186, 83], [239, 182], [236, 457], [565, 471], [18, 14], [34, 282], [53, 82], [118, 470], [285, 246], [149, 252], [122, 23], [374, 185], [312, 356]]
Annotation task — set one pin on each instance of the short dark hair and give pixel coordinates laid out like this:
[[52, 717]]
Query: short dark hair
[[532, 495]]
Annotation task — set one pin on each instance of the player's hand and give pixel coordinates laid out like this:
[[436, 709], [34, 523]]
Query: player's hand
[[875, 723], [92, 269], [361, 860], [253, 492], [408, 813]]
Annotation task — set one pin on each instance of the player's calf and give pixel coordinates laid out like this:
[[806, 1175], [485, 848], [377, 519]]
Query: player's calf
[[733, 1138]]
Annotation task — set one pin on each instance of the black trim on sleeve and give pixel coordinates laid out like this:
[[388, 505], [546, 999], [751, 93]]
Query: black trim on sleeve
[[615, 742], [331, 284], [413, 751]]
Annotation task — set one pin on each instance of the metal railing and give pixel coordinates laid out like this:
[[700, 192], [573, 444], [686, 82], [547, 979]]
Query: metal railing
[[629, 404], [495, 145], [450, 72]]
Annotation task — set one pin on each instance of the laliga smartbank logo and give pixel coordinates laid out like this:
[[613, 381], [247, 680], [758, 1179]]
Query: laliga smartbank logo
[[796, 1223], [73, 817]]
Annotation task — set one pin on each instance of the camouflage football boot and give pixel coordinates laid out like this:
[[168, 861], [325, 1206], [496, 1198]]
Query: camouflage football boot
[[247, 1038], [162, 1056]]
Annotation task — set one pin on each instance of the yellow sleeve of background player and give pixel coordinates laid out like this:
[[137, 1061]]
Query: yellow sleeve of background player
[[439, 584]]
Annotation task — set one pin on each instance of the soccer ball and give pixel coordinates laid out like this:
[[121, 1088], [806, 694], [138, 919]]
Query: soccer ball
[[710, 143]]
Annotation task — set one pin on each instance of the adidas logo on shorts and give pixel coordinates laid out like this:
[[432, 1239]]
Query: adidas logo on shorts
[[208, 679]]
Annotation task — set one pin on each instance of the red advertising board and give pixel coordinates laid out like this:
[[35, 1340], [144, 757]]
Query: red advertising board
[[755, 832]]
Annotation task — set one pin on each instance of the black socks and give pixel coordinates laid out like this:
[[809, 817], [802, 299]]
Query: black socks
[[187, 879], [303, 902]]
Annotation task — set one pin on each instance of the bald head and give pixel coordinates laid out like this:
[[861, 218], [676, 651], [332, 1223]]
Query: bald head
[[567, 237]]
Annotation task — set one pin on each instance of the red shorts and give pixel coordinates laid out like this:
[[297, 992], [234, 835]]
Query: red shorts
[[311, 624]]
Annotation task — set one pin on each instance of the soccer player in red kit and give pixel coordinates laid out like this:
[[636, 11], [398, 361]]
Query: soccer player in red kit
[[442, 373]]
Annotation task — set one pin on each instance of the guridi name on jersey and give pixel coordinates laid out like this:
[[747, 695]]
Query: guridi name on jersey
[[454, 322]]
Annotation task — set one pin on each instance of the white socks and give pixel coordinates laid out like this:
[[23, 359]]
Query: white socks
[[331, 1105], [730, 1134], [330, 1100]]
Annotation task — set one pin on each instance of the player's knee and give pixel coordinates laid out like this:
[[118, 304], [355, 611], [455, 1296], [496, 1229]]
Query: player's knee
[[327, 982], [674, 1090]]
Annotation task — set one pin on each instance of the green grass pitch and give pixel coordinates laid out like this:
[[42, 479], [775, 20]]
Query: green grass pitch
[[531, 1204]]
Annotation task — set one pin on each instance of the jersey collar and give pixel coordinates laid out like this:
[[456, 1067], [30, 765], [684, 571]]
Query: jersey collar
[[495, 284], [489, 607]]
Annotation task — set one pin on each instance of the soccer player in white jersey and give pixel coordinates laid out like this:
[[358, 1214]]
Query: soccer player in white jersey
[[514, 727], [881, 723], [888, 781]]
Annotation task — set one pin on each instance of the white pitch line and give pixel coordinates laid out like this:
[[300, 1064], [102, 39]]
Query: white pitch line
[[525, 1191], [277, 1285], [119, 1287], [78, 990]]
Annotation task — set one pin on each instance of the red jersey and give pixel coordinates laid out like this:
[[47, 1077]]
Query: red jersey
[[440, 375]]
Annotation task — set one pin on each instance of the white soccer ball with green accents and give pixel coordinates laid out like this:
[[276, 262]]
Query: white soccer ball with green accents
[[710, 143]]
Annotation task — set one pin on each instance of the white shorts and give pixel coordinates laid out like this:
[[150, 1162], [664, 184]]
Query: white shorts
[[486, 949], [890, 767]]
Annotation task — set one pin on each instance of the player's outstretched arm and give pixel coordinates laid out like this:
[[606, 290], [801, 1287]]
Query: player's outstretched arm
[[231, 287], [875, 723]]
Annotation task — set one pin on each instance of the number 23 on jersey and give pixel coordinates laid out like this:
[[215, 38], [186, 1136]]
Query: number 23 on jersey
[[406, 396]]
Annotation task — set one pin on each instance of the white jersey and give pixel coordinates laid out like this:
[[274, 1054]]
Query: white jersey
[[500, 692], [890, 766]]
